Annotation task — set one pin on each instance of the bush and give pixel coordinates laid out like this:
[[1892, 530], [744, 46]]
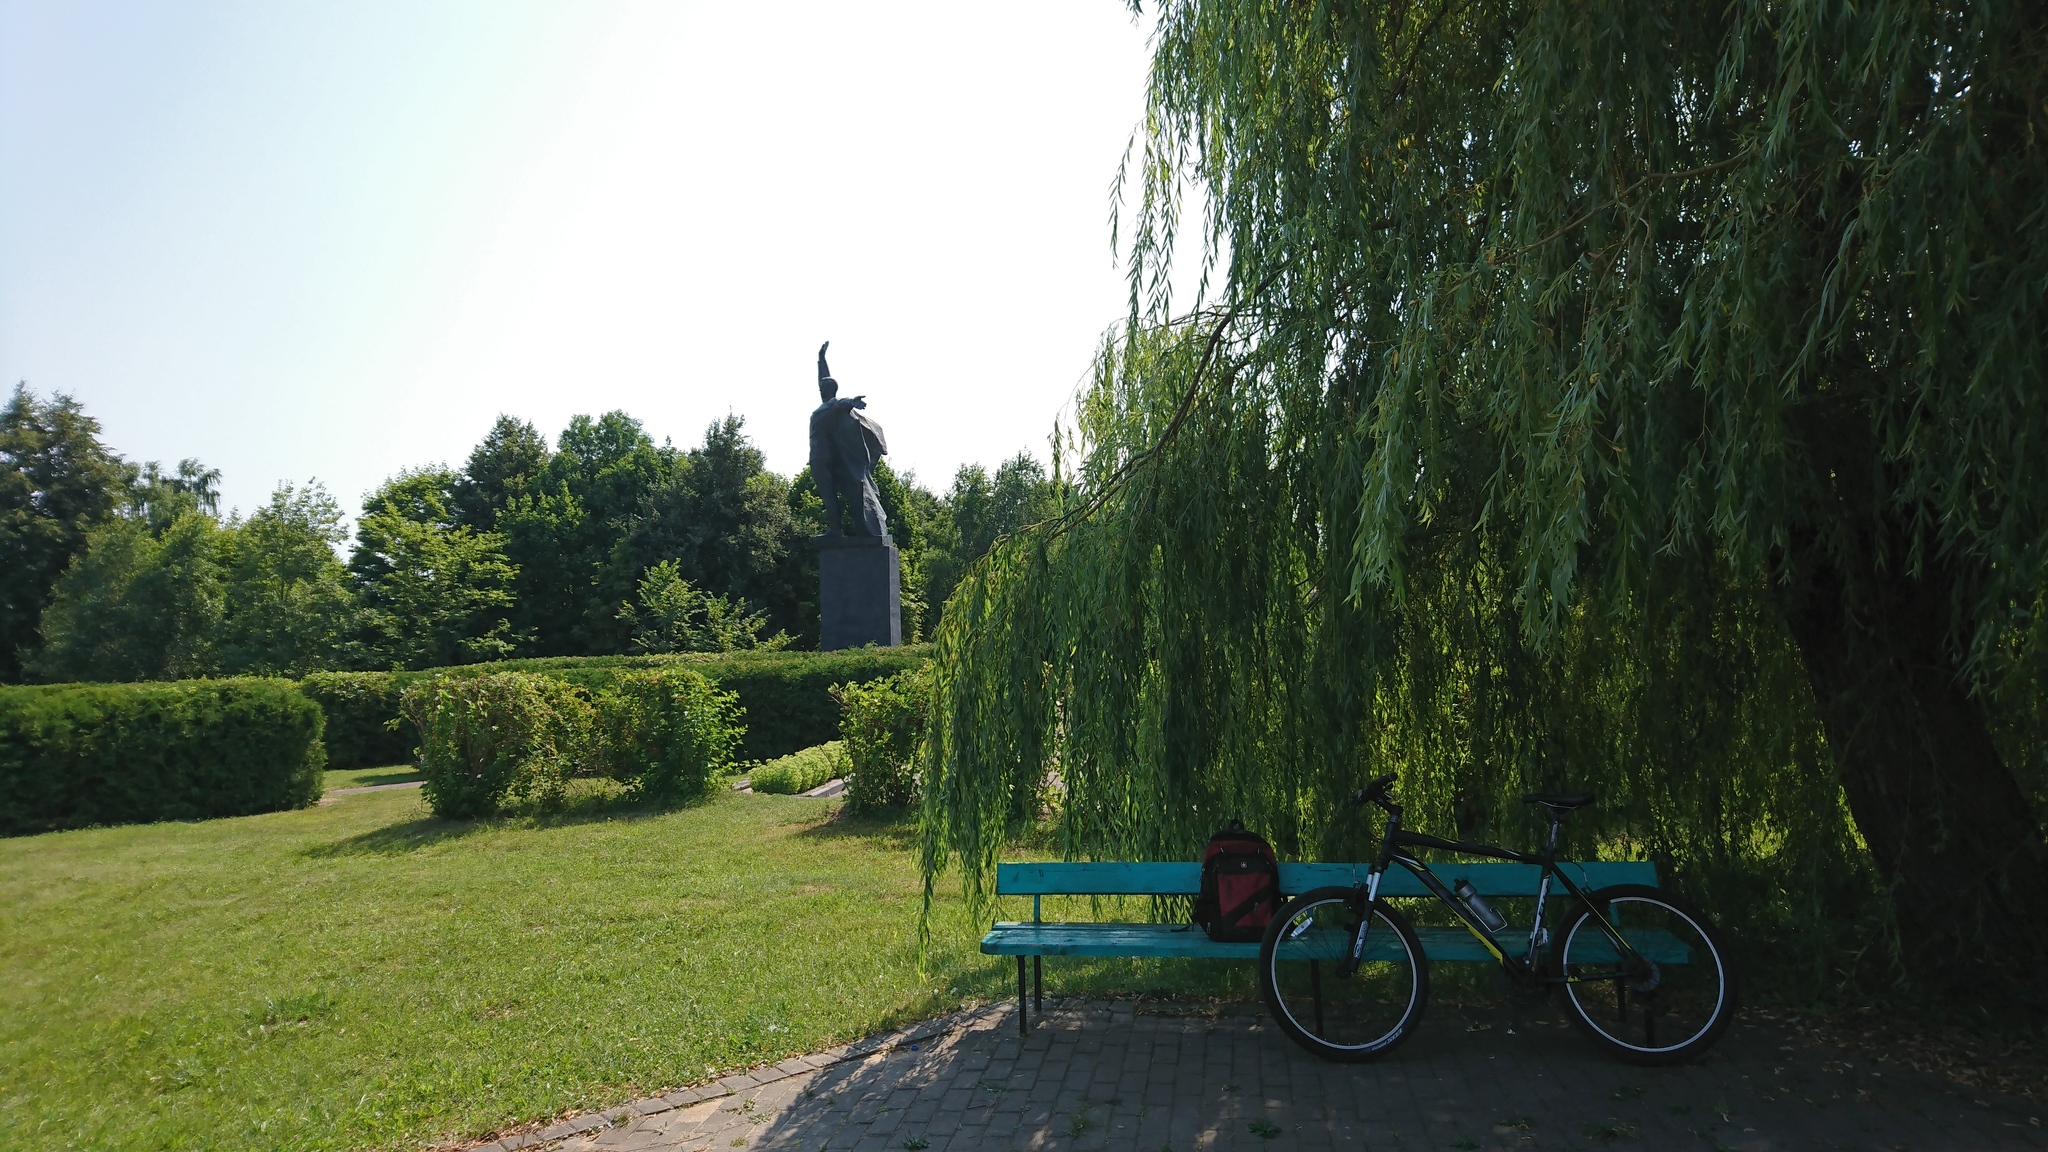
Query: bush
[[73, 755], [883, 722], [488, 739], [787, 695], [801, 771], [360, 708], [666, 733]]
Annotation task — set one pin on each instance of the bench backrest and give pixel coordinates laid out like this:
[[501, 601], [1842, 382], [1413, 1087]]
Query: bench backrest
[[1184, 878]]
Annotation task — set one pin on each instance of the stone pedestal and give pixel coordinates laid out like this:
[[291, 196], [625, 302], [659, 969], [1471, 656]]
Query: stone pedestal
[[860, 594]]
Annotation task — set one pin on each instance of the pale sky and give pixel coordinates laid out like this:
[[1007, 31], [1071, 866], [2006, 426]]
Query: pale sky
[[329, 240]]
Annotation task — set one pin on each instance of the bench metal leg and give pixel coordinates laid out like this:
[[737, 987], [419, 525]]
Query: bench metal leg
[[1315, 991], [1038, 985], [1023, 1022]]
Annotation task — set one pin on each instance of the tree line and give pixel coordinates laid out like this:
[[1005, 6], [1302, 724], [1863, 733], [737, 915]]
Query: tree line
[[602, 543]]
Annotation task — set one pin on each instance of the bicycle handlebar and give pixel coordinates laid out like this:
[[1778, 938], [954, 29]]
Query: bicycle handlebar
[[1373, 793]]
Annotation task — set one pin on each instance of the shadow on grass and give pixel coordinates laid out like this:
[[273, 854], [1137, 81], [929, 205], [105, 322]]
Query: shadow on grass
[[895, 827], [392, 839], [395, 776], [588, 802]]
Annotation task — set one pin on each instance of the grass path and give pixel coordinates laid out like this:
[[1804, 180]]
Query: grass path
[[359, 975], [370, 777]]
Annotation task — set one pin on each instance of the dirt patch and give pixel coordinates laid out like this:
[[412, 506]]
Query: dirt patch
[[1963, 1057]]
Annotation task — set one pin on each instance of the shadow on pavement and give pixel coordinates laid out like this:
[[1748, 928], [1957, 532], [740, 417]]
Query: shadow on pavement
[[1101, 1075]]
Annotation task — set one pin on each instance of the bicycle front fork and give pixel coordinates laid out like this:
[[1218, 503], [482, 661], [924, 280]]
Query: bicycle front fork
[[1356, 956]]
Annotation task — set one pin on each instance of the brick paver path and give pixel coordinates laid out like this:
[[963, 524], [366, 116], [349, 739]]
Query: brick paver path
[[1097, 1075]]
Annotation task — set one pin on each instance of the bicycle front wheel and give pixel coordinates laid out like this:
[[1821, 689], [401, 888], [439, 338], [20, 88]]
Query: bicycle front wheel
[[1321, 1004], [1665, 1004]]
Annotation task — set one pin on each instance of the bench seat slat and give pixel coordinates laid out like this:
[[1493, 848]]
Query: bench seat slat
[[1168, 941], [1184, 878], [1162, 942]]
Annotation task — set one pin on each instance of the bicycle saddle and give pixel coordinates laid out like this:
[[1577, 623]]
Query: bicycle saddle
[[1559, 801]]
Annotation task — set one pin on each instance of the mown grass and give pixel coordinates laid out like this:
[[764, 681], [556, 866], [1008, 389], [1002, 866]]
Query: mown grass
[[360, 975], [367, 777]]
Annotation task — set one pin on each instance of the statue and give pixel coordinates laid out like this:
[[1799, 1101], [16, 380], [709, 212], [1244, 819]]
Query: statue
[[860, 589], [845, 443]]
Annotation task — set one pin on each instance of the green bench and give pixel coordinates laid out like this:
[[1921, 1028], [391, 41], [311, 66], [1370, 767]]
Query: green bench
[[1038, 938]]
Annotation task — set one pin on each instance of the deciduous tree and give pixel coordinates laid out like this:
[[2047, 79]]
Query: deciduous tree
[[1564, 353], [434, 592], [565, 534], [670, 614], [136, 607], [976, 510], [288, 605], [725, 522]]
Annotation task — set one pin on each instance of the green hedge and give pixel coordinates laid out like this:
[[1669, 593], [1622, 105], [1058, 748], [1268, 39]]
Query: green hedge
[[800, 771], [358, 706], [786, 695], [74, 755]]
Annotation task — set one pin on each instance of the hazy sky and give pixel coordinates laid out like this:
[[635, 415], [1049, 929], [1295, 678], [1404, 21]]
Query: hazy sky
[[331, 240]]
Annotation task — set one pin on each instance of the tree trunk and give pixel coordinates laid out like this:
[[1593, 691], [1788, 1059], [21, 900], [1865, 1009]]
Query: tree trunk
[[1945, 819]]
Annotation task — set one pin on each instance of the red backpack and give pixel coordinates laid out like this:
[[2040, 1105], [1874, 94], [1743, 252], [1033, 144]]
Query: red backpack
[[1240, 886]]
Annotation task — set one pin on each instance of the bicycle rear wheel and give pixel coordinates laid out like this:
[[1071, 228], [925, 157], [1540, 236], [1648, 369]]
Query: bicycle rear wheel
[[1352, 1017], [1669, 1003]]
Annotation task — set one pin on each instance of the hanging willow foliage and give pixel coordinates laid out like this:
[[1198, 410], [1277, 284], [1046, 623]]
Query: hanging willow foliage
[[1635, 396]]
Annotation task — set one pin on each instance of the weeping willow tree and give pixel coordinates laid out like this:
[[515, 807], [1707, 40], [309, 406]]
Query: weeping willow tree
[[1644, 396]]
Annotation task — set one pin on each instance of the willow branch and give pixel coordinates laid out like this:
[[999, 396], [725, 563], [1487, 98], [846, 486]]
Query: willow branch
[[1617, 198], [1055, 526]]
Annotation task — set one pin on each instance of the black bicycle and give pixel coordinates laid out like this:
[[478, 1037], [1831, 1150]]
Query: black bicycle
[[1642, 972]]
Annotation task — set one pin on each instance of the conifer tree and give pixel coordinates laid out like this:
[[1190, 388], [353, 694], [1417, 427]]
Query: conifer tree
[[57, 482]]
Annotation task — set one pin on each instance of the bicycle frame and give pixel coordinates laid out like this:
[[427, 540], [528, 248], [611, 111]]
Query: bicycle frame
[[1390, 853]]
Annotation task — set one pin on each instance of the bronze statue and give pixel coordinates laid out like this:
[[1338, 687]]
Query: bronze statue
[[845, 443]]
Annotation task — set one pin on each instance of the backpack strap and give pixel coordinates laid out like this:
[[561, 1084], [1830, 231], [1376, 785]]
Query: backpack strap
[[1230, 919]]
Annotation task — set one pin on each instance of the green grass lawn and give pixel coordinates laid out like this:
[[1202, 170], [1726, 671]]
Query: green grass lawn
[[360, 975], [366, 777]]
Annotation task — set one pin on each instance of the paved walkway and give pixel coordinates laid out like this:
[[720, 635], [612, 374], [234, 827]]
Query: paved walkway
[[1097, 1075], [832, 787], [373, 788]]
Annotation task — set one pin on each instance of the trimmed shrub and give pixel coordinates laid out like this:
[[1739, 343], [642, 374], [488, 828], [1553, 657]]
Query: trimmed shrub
[[800, 771], [666, 733], [883, 722], [74, 755], [361, 708], [787, 695], [488, 739]]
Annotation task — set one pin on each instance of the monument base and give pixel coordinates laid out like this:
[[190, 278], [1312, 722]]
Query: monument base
[[860, 591]]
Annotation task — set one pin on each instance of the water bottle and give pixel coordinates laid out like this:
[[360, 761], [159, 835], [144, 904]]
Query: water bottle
[[1493, 920]]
